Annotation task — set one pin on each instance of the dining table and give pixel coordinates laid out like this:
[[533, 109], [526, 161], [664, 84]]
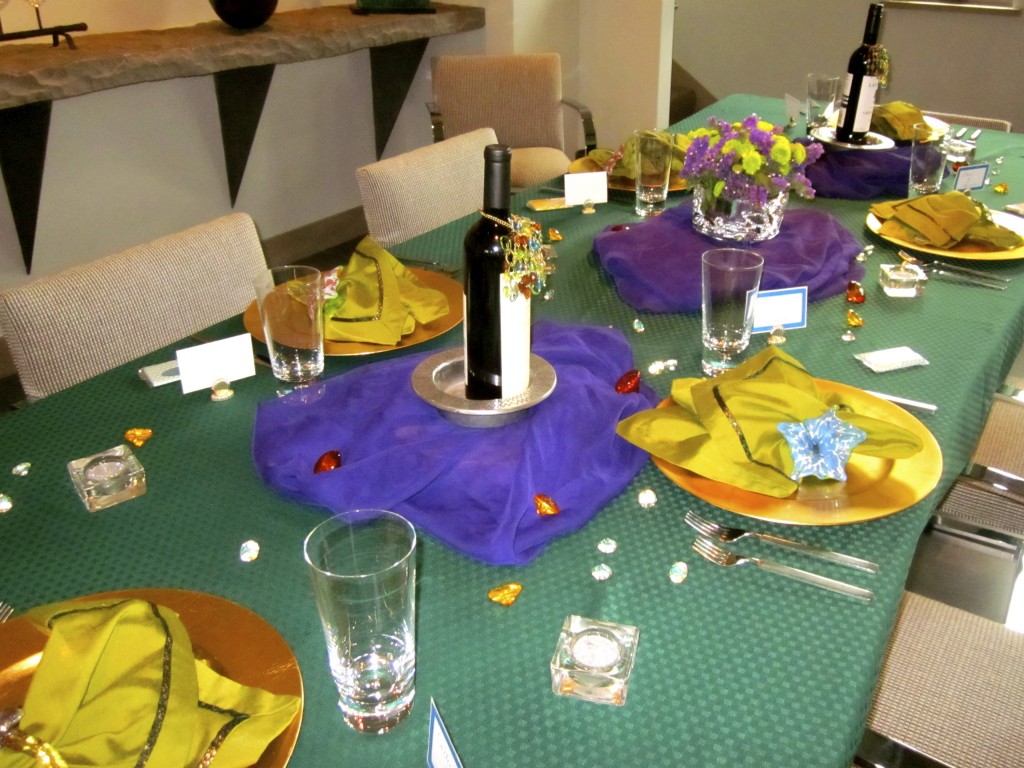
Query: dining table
[[734, 666]]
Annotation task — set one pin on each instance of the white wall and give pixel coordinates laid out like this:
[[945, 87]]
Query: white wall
[[961, 61]]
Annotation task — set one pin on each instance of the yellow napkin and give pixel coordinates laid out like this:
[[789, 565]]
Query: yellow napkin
[[378, 300], [943, 221], [118, 677], [896, 120], [726, 428]]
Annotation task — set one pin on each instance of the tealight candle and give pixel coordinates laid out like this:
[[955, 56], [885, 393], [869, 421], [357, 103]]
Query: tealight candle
[[593, 660]]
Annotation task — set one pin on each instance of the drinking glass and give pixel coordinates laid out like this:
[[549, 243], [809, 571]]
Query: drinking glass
[[730, 278], [291, 303], [653, 162], [363, 567], [822, 96], [927, 159]]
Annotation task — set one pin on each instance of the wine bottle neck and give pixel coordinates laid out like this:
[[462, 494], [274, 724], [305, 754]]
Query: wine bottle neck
[[873, 24], [497, 180]]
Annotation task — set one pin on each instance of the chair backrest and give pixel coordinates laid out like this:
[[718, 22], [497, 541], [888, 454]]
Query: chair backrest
[[72, 325], [412, 193], [519, 96], [972, 121]]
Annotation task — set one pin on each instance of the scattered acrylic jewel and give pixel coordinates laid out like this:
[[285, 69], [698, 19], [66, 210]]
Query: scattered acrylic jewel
[[249, 551], [506, 594], [546, 506], [660, 366], [607, 546], [628, 382], [554, 236], [821, 447], [327, 461], [1001, 188], [678, 572], [221, 390], [848, 336], [854, 292], [6, 504], [638, 325], [138, 436], [866, 251], [853, 319], [647, 498], [601, 572], [618, 228], [777, 337], [21, 469]]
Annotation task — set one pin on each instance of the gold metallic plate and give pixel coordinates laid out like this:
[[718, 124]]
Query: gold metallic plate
[[874, 487], [967, 250], [452, 290], [235, 641]]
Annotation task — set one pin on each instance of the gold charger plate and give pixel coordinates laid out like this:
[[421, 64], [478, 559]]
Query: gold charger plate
[[452, 290], [874, 487], [238, 644], [621, 183], [968, 250]]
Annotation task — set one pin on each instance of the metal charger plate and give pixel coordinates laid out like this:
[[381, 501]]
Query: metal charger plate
[[440, 380], [875, 487], [236, 643]]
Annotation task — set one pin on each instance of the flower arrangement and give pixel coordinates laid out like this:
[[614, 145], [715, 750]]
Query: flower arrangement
[[750, 161]]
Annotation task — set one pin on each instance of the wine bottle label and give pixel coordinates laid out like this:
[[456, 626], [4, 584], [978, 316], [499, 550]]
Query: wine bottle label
[[865, 106], [513, 374]]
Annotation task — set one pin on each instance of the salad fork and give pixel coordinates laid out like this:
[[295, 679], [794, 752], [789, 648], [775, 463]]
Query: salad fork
[[724, 557], [6, 611], [723, 533]]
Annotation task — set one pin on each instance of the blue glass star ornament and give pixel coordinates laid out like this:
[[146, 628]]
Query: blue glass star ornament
[[821, 447]]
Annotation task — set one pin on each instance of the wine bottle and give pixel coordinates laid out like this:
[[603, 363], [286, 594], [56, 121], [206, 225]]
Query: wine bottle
[[862, 80], [496, 327]]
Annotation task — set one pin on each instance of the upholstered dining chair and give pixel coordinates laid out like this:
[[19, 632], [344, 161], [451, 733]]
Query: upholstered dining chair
[[520, 97], [972, 121], [72, 325], [412, 193]]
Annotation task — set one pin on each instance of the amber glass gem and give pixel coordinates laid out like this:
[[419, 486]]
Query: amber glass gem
[[628, 382], [327, 462], [546, 506], [138, 436], [854, 292], [853, 319], [506, 594]]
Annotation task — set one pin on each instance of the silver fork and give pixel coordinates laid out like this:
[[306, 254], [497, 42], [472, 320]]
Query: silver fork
[[722, 556], [726, 534], [6, 611]]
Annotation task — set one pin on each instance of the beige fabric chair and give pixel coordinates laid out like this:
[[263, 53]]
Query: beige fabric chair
[[972, 121], [72, 325], [520, 97], [952, 687], [412, 193]]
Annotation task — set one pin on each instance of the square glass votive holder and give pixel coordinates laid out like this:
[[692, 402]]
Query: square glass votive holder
[[902, 280], [108, 478], [593, 660]]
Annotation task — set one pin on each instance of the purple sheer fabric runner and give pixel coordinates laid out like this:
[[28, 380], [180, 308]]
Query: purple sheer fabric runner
[[471, 488], [861, 174], [656, 264]]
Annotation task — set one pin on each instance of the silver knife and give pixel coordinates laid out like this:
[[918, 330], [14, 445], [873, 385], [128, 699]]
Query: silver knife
[[913, 405], [957, 277]]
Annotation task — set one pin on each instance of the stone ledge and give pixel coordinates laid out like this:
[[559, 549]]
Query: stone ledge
[[39, 72]]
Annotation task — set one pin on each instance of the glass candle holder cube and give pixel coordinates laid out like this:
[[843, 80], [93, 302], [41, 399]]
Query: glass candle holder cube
[[593, 660], [108, 478], [902, 280]]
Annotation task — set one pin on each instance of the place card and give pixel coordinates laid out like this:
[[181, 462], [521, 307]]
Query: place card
[[892, 359], [440, 750], [783, 307], [204, 365], [970, 177], [582, 188]]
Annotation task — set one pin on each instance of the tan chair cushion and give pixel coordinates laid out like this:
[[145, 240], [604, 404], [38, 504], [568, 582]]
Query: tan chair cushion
[[532, 165], [67, 327], [412, 193]]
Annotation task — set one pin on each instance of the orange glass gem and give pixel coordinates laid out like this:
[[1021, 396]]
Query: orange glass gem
[[554, 235], [327, 462], [853, 319], [854, 292], [628, 382], [138, 436], [1001, 188], [546, 506], [506, 594]]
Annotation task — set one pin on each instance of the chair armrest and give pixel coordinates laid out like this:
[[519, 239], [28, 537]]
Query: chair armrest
[[589, 134], [878, 751], [436, 121]]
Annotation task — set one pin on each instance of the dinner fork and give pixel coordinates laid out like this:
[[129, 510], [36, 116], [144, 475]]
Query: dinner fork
[[722, 556], [726, 534], [6, 611]]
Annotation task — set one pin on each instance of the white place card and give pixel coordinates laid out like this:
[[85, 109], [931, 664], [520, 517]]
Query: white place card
[[892, 359], [440, 750], [970, 177], [586, 187], [224, 360], [785, 307]]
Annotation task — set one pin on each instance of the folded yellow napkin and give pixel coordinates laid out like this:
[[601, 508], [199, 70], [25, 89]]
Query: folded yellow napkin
[[943, 221], [727, 428], [375, 299], [896, 120], [118, 682], [622, 162]]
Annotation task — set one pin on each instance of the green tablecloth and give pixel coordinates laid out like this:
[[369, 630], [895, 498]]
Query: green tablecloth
[[734, 668]]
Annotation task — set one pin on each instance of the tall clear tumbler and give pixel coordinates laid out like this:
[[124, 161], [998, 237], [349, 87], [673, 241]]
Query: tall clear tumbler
[[730, 278], [653, 152], [363, 567], [290, 300]]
